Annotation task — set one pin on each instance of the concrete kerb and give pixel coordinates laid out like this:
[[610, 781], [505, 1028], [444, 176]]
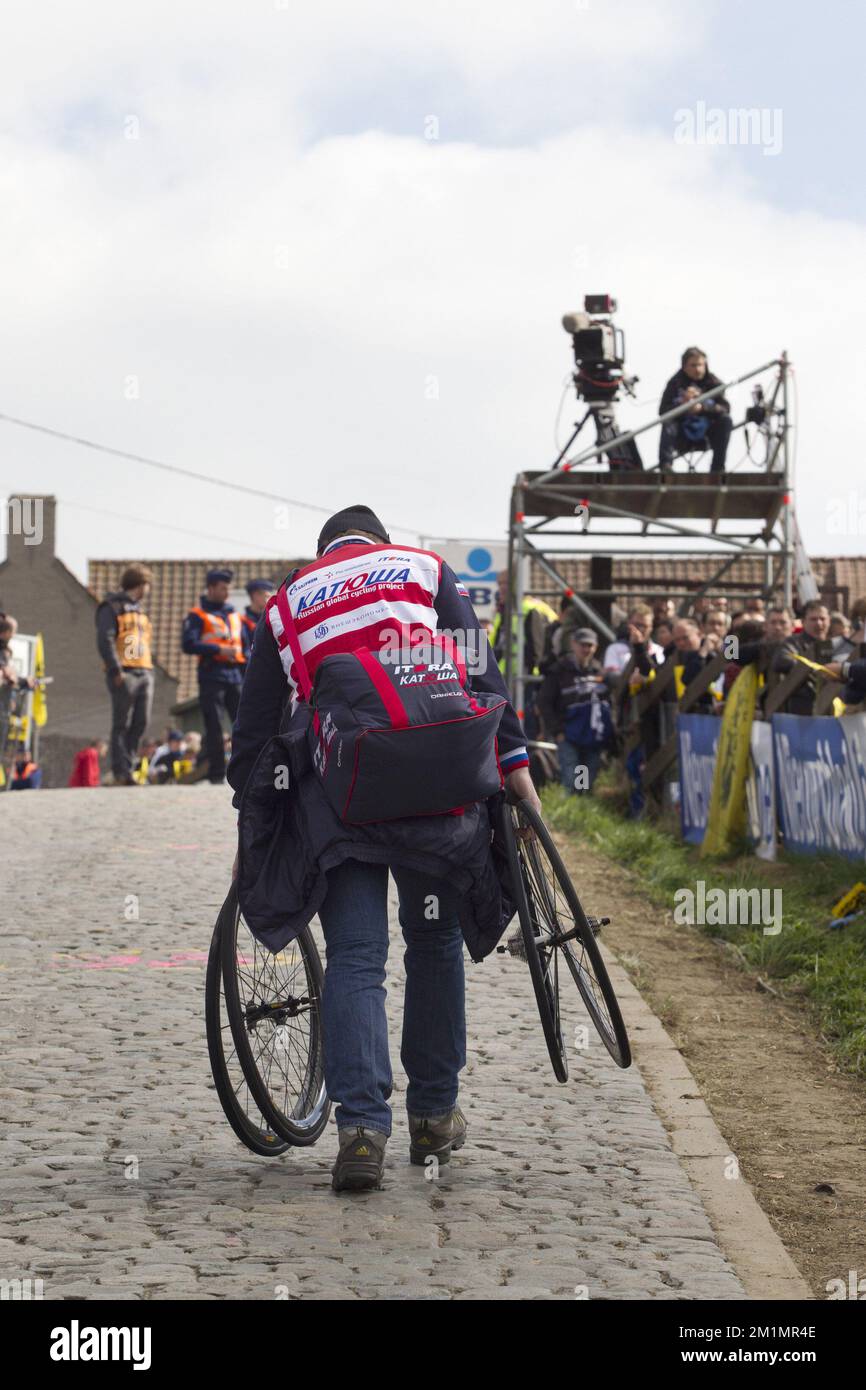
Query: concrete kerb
[[743, 1230]]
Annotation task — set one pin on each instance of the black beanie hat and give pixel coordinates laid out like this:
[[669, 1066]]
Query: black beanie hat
[[351, 519]]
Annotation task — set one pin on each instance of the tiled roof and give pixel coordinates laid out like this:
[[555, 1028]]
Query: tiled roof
[[177, 585], [848, 572], [841, 580]]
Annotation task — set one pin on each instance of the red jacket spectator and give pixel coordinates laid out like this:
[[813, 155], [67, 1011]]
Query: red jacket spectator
[[85, 768]]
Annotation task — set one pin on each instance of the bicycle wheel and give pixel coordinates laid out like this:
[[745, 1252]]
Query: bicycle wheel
[[240, 1110], [274, 1008], [563, 927], [542, 961]]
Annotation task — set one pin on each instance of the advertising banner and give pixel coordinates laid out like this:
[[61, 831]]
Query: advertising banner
[[761, 792], [821, 782], [698, 736]]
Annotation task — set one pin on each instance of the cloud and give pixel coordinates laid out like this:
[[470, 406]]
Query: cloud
[[369, 314]]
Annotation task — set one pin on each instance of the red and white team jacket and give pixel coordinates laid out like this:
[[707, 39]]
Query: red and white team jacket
[[359, 594]]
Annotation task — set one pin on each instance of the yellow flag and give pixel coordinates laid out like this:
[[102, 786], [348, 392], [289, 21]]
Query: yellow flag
[[814, 665], [40, 704], [726, 818]]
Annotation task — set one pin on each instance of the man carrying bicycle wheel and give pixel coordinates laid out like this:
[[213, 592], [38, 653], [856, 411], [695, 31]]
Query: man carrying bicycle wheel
[[351, 599]]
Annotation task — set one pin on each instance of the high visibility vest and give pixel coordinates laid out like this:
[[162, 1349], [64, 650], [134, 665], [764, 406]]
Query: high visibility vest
[[133, 640], [530, 605], [249, 623], [20, 774], [225, 629]]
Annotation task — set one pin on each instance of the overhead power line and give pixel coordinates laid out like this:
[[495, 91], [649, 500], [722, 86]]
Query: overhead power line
[[176, 469], [184, 530]]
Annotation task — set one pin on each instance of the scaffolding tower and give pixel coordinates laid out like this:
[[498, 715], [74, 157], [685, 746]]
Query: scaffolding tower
[[567, 512]]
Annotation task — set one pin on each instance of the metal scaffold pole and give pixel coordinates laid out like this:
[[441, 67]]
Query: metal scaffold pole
[[519, 642], [786, 465]]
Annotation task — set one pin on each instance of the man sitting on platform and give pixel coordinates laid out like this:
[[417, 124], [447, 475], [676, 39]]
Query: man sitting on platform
[[706, 426]]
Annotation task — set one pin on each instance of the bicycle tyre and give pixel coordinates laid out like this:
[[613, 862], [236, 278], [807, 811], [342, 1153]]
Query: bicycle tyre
[[251, 1129]]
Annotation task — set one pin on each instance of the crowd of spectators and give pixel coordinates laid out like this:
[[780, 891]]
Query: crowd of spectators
[[582, 700]]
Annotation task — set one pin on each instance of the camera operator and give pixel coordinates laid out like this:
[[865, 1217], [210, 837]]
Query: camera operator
[[706, 425]]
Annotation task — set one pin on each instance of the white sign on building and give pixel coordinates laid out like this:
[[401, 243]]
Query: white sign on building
[[477, 564]]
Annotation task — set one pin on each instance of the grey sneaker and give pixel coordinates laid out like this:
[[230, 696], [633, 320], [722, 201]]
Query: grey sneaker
[[360, 1163], [436, 1134]]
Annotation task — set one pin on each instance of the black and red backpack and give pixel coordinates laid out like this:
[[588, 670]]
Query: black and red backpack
[[390, 738]]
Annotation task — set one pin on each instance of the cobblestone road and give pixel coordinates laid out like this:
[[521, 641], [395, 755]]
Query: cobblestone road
[[120, 1177]]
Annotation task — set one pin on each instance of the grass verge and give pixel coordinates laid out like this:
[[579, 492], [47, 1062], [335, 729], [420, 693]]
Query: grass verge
[[824, 969]]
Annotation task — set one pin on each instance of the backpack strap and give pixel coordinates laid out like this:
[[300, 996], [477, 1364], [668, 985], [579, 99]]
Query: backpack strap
[[291, 632], [394, 707]]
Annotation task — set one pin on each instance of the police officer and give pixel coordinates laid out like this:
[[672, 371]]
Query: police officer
[[259, 591], [214, 633], [123, 638]]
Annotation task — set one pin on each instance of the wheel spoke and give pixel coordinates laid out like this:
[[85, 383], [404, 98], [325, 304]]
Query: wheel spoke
[[555, 913]]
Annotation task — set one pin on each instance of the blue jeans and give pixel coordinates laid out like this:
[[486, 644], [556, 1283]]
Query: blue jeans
[[571, 757], [673, 441], [634, 766], [354, 919]]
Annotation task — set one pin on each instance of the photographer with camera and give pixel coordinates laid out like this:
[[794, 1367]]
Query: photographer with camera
[[706, 426]]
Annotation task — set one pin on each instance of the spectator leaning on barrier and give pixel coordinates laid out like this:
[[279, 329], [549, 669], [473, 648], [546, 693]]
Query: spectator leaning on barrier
[[706, 425], [123, 640], [812, 642], [692, 654], [573, 701]]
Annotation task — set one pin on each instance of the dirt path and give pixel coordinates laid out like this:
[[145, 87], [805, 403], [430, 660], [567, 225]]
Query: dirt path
[[792, 1120]]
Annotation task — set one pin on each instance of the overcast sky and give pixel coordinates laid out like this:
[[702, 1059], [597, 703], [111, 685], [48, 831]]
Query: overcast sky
[[324, 250]]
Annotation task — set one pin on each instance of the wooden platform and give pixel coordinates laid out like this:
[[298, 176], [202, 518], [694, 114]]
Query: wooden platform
[[672, 497]]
